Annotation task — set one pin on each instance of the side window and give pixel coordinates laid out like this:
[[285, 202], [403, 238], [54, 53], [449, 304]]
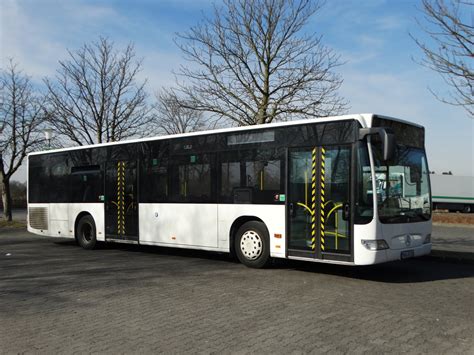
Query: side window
[[38, 178], [154, 172], [230, 178], [253, 174], [192, 180], [263, 175], [154, 180], [58, 179], [86, 183]]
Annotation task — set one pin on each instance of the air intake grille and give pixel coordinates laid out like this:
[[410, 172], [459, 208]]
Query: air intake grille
[[38, 217]]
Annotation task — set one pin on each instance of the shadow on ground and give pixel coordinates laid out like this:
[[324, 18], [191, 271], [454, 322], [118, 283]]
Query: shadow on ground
[[423, 269]]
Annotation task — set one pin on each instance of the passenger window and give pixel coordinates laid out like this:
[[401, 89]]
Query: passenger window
[[256, 172], [155, 178], [230, 178], [58, 179], [86, 183], [193, 175], [263, 175]]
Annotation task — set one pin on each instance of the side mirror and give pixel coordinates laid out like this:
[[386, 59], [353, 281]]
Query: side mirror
[[386, 135]]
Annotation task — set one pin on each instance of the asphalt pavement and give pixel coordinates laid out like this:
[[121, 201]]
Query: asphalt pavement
[[455, 243], [56, 297]]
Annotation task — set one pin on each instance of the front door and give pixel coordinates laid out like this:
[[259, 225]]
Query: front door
[[318, 212], [121, 201]]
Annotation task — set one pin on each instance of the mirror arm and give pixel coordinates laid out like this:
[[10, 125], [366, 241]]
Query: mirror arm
[[386, 135], [381, 131]]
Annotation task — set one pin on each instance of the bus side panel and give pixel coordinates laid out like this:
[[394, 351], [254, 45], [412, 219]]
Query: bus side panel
[[272, 215], [180, 224], [38, 218], [96, 210], [60, 218], [48, 219]]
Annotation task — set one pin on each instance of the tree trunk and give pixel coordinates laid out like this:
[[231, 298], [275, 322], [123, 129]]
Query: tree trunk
[[6, 199]]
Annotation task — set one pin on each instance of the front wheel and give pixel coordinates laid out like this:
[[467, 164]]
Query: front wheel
[[252, 245], [86, 232]]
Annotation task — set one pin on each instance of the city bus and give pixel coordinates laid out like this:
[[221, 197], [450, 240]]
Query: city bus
[[351, 189]]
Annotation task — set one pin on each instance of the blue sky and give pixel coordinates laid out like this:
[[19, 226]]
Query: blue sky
[[372, 37]]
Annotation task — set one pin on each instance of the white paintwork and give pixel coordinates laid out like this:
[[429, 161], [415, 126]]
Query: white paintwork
[[206, 226], [192, 225], [38, 231], [272, 215], [391, 234], [62, 217]]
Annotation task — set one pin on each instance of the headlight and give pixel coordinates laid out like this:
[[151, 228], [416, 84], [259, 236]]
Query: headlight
[[377, 244], [427, 239]]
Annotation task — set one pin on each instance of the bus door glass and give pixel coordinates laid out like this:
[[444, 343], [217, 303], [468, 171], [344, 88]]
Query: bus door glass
[[319, 201], [121, 200]]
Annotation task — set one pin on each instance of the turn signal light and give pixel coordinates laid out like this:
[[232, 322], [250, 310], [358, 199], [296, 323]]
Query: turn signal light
[[278, 236]]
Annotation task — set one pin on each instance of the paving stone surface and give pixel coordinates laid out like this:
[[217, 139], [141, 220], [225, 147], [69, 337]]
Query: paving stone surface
[[57, 298]]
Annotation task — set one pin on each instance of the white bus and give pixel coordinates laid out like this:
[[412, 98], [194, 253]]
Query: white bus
[[298, 190]]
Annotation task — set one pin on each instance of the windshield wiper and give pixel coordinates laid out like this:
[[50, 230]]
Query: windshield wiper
[[414, 214], [404, 218], [398, 218], [423, 216]]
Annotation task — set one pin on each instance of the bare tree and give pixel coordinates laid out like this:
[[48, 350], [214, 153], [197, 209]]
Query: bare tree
[[450, 27], [96, 97], [256, 63], [174, 116], [21, 114]]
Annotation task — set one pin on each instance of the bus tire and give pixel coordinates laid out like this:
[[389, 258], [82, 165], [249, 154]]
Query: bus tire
[[252, 245], [86, 232]]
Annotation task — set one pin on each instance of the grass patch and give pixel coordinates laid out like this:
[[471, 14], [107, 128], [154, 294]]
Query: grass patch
[[453, 218], [13, 224]]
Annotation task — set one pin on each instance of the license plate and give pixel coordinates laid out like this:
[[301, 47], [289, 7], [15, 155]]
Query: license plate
[[407, 254]]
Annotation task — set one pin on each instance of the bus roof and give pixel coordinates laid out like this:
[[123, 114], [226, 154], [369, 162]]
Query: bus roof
[[365, 119]]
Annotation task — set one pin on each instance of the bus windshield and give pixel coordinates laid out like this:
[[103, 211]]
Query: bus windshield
[[402, 185]]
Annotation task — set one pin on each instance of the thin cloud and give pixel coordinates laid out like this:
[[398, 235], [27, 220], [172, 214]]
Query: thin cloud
[[390, 23], [37, 37]]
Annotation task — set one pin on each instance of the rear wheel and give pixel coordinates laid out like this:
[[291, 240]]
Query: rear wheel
[[86, 232], [252, 245]]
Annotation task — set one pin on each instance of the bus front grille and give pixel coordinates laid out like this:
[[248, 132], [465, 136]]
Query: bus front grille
[[38, 217]]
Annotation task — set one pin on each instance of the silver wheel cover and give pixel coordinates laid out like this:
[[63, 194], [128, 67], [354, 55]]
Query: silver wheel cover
[[251, 245]]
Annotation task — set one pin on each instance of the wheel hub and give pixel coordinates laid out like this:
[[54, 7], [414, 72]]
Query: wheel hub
[[251, 245]]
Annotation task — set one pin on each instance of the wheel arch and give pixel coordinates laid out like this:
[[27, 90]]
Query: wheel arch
[[78, 218]]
